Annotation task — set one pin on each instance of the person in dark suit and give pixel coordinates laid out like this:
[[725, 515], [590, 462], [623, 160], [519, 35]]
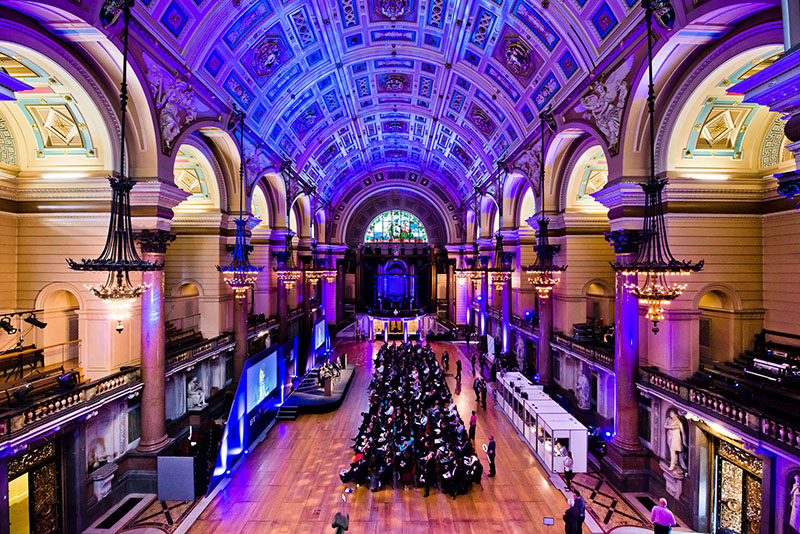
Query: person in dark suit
[[571, 518], [341, 522], [483, 394], [458, 371], [580, 506], [490, 452]]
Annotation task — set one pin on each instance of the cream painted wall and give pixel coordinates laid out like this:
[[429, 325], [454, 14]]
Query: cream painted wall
[[781, 272]]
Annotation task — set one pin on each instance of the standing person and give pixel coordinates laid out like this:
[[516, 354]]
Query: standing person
[[483, 393], [491, 449], [662, 518], [568, 474], [472, 361], [571, 519], [473, 423], [476, 385], [580, 505], [446, 361], [458, 370]]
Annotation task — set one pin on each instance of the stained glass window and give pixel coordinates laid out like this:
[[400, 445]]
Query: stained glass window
[[396, 225]]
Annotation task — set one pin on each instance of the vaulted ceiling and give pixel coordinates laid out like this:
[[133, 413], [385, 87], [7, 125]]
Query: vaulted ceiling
[[441, 88]]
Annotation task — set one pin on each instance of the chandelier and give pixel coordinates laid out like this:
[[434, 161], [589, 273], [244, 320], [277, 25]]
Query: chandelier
[[287, 271], [240, 275], [543, 275], [319, 270], [469, 269], [655, 265], [501, 272], [119, 257]]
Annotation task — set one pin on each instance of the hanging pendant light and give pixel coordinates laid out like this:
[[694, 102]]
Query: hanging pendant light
[[502, 269], [543, 274], [287, 271], [319, 269], [119, 257], [240, 275], [655, 265]]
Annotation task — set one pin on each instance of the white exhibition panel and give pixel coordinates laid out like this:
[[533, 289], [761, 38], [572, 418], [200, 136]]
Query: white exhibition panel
[[546, 426]]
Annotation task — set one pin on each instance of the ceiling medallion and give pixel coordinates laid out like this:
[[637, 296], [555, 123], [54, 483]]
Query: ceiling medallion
[[394, 126], [308, 120], [482, 121], [266, 57], [517, 58], [394, 83], [393, 9]]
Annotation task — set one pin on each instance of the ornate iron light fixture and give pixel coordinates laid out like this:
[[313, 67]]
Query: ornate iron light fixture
[[502, 269], [543, 274], [654, 263], [287, 271], [119, 257], [319, 268], [240, 275]]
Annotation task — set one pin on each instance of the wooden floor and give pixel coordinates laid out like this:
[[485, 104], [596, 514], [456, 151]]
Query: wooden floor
[[290, 483]]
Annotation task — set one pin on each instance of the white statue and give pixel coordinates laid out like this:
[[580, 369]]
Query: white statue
[[583, 392], [794, 502], [676, 443], [195, 398], [604, 106]]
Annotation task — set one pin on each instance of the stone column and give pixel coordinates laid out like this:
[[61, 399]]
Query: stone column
[[434, 284], [283, 312], [543, 351], [154, 366], [484, 300], [506, 309], [340, 283], [359, 283], [240, 352], [451, 301], [405, 331]]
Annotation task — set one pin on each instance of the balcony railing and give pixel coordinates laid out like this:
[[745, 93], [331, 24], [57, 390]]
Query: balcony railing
[[527, 327], [750, 421], [601, 355]]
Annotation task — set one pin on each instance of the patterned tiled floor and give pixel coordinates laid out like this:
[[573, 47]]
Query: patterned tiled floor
[[162, 515], [609, 508]]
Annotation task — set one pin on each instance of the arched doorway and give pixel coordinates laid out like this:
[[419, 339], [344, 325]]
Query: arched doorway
[[716, 326]]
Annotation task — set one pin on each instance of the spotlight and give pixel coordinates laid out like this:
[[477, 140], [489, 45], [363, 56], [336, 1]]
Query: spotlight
[[68, 380], [32, 320], [21, 392], [5, 324]]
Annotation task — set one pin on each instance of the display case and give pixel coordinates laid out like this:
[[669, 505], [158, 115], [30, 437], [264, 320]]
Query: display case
[[561, 433], [548, 428]]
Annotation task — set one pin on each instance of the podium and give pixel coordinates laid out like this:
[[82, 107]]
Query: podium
[[328, 385]]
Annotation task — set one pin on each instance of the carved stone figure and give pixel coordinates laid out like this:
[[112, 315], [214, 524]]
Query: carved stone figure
[[530, 162], [583, 391], [520, 350], [604, 106], [175, 102], [195, 397], [794, 503], [676, 443], [394, 83]]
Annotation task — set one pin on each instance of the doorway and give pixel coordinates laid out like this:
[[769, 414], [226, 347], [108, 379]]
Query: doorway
[[34, 491], [737, 489]]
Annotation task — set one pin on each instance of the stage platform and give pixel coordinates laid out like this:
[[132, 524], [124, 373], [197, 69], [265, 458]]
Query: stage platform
[[309, 398]]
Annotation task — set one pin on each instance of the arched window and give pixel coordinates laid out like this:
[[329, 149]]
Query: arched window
[[396, 225]]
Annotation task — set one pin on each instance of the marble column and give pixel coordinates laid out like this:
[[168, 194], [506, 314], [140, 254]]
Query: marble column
[[484, 292], [626, 366], [543, 351], [434, 284], [283, 312], [153, 342], [451, 301], [359, 283], [240, 352], [340, 282], [506, 310], [405, 331]]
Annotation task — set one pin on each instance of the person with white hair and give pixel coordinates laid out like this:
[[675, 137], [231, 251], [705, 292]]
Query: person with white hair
[[662, 518]]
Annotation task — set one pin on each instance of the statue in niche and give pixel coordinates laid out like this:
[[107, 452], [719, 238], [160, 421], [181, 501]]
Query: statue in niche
[[677, 443], [530, 162], [195, 397], [583, 391], [794, 504], [604, 106], [98, 453]]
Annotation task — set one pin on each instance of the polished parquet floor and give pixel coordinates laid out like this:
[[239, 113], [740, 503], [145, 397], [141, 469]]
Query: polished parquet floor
[[290, 483]]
